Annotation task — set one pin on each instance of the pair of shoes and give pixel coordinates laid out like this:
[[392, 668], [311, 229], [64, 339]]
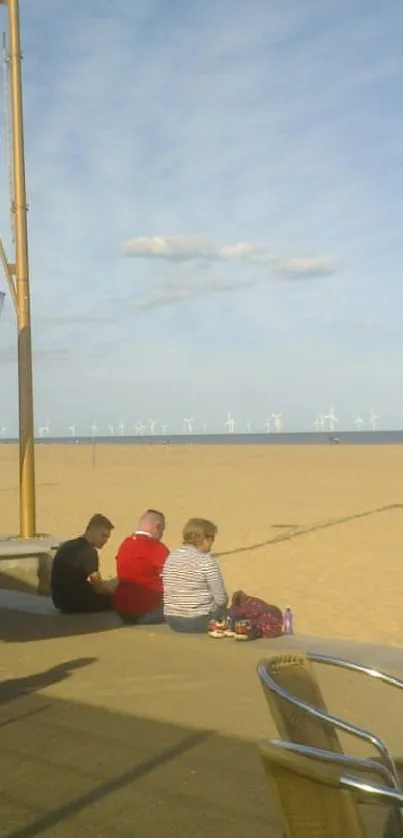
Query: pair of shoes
[[244, 630], [221, 628], [237, 629]]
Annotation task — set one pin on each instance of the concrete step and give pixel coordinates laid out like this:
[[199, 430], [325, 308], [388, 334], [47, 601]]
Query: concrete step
[[30, 603]]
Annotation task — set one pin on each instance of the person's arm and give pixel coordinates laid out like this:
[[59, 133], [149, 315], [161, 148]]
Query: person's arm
[[157, 562], [92, 568], [215, 580], [100, 587], [159, 559]]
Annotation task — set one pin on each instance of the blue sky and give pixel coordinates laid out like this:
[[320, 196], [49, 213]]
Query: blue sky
[[215, 196]]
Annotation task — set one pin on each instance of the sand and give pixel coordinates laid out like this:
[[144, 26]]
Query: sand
[[316, 527]]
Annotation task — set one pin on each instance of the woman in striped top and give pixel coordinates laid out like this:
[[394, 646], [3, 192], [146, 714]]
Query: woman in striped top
[[194, 590]]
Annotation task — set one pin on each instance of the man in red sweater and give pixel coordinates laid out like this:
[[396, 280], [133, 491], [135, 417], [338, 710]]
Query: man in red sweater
[[139, 562]]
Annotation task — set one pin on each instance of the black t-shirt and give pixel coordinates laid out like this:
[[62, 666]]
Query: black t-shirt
[[73, 563]]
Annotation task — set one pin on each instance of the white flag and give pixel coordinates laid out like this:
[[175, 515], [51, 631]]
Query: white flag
[[2, 298]]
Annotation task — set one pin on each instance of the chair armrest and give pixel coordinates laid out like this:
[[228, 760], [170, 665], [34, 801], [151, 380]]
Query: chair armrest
[[347, 727], [328, 660], [372, 792], [373, 766]]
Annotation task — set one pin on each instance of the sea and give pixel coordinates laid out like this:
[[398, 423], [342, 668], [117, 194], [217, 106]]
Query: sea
[[307, 438]]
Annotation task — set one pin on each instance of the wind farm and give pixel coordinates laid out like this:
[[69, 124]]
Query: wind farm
[[362, 427]]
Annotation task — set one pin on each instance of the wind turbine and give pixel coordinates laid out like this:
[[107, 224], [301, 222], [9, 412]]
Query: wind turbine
[[164, 429], [121, 427], [358, 422], [111, 430], [44, 430], [278, 422], [204, 427], [152, 426], [230, 424], [247, 427], [93, 429], [139, 429], [373, 420], [267, 425], [332, 419], [188, 425], [72, 430], [319, 422], [3, 430]]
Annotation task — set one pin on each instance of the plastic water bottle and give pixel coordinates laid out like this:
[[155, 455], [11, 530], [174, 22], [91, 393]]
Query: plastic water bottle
[[288, 619]]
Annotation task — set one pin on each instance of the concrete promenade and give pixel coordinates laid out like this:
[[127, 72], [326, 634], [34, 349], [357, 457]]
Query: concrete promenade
[[115, 731]]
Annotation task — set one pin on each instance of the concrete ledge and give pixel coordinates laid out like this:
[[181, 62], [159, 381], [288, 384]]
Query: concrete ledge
[[30, 603], [27, 573], [368, 653], [27, 563], [13, 547]]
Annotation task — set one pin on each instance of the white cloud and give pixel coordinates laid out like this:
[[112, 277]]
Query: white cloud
[[194, 248], [167, 247], [245, 252]]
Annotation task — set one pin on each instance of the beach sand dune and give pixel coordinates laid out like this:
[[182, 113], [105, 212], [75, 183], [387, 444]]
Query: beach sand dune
[[316, 527]]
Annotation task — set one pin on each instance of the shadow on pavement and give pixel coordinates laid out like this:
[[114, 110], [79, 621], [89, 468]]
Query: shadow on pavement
[[14, 688], [69, 769], [21, 626]]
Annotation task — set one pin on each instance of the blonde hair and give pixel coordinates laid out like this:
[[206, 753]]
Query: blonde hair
[[196, 530]]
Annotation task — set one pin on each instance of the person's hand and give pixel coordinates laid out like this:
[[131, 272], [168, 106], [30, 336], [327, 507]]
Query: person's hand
[[100, 587]]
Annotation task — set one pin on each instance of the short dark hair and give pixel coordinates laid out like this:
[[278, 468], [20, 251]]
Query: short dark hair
[[99, 521]]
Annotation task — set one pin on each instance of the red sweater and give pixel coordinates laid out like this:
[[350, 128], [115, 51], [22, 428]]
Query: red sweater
[[139, 564]]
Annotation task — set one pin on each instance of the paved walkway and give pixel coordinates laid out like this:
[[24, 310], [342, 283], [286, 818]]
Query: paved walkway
[[110, 730]]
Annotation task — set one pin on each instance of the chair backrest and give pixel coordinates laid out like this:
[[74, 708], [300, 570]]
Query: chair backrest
[[294, 673], [309, 795]]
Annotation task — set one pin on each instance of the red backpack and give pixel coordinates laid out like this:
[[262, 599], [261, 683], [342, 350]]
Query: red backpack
[[267, 618]]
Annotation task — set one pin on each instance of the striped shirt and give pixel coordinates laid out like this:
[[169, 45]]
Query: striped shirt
[[193, 584]]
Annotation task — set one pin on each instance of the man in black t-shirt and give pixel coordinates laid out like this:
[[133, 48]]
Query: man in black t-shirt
[[76, 583]]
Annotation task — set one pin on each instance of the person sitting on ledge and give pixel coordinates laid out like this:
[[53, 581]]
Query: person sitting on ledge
[[194, 590], [139, 562], [76, 583]]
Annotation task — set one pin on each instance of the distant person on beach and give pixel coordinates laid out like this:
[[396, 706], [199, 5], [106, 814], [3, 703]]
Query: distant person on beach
[[194, 590], [76, 583], [139, 563]]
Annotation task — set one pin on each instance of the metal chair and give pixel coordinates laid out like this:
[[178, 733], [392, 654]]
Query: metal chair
[[299, 710], [319, 795]]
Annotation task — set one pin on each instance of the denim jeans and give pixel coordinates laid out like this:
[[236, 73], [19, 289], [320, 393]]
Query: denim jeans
[[194, 625]]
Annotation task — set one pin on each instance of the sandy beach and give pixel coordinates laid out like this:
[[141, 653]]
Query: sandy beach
[[315, 527]]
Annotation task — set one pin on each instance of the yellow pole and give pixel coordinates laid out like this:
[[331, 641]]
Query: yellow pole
[[25, 382]]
